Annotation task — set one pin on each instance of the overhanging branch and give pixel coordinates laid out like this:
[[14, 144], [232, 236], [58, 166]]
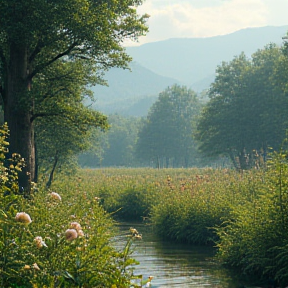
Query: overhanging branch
[[37, 115], [60, 55]]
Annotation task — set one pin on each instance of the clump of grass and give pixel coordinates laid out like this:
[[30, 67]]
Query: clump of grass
[[254, 239]]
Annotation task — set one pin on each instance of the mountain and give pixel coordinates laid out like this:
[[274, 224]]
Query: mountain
[[128, 85], [190, 60], [185, 61], [137, 107]]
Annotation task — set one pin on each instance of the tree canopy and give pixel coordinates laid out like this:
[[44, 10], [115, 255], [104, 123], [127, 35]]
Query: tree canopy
[[246, 113], [37, 37], [166, 136]]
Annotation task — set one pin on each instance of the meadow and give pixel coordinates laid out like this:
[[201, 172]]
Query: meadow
[[244, 214]]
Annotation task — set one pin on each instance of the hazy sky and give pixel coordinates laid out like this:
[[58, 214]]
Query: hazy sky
[[206, 18]]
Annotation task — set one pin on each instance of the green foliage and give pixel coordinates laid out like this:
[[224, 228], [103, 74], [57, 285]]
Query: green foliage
[[167, 133], [247, 109], [56, 39], [254, 239], [245, 213], [57, 242], [9, 167], [116, 146], [54, 259], [63, 124]]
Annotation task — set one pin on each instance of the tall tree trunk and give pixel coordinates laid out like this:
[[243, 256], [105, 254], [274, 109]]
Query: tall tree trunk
[[17, 113], [243, 159], [36, 170], [51, 176], [232, 157], [158, 162]]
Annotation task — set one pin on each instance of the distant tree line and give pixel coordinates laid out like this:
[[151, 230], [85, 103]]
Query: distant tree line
[[162, 139], [245, 117]]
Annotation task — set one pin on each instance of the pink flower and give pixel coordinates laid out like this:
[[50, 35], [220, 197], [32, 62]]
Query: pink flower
[[55, 196], [75, 225], [71, 234], [23, 218], [80, 233]]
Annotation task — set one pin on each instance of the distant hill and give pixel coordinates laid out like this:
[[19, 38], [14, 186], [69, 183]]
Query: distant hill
[[137, 107], [127, 85], [191, 60], [187, 61]]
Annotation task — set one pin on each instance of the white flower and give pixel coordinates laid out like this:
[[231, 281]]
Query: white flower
[[80, 233], [55, 196], [133, 231], [39, 242], [35, 266], [23, 218], [138, 236]]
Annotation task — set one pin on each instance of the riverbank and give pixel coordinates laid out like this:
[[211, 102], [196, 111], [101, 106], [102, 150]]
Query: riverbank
[[243, 214], [175, 265]]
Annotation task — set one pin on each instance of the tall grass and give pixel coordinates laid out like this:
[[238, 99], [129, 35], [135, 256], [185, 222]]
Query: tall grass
[[243, 214], [57, 239]]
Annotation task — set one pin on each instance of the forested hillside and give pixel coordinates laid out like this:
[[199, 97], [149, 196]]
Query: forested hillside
[[191, 62]]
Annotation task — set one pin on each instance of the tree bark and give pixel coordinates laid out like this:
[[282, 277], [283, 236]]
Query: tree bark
[[232, 157], [243, 159], [17, 113], [51, 176]]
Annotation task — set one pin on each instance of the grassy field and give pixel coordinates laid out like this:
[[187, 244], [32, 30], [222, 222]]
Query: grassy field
[[244, 214]]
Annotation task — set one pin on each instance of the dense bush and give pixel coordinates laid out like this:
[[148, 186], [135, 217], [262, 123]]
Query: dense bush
[[255, 238], [57, 240]]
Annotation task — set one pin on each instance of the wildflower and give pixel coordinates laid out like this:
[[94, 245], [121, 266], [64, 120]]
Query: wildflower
[[71, 234], [80, 233], [75, 225], [23, 218], [27, 267], [55, 196], [80, 248], [35, 266], [39, 242], [133, 231], [147, 283], [138, 236]]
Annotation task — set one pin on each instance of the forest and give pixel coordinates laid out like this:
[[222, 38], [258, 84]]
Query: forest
[[208, 169]]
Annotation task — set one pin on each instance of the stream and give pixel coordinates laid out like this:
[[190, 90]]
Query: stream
[[176, 265]]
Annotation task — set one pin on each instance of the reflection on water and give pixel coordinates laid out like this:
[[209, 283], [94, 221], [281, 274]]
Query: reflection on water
[[176, 265]]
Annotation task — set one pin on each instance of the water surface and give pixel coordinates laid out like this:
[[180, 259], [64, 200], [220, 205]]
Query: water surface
[[176, 265]]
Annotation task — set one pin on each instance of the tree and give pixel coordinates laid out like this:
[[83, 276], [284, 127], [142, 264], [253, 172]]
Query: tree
[[118, 144], [36, 34], [245, 111], [62, 122], [167, 133]]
